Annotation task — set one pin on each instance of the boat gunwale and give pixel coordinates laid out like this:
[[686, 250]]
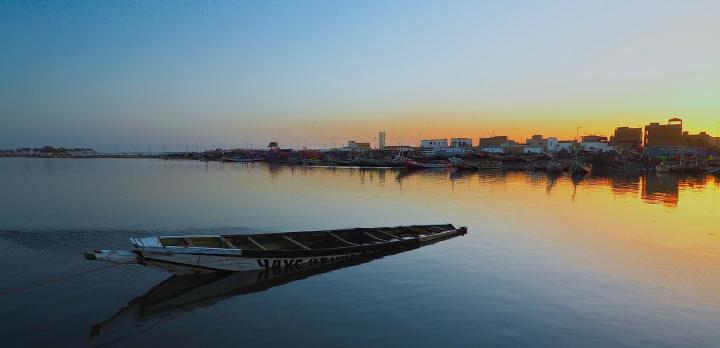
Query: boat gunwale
[[293, 233], [418, 238]]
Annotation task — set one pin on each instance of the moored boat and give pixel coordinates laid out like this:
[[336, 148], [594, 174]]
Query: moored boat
[[246, 252], [426, 165], [677, 167], [580, 168], [662, 168], [554, 167], [708, 169], [463, 163], [490, 165], [241, 160]]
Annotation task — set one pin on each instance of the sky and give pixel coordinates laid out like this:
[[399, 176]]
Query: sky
[[122, 75]]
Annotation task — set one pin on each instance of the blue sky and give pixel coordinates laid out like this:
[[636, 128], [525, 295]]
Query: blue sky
[[132, 74]]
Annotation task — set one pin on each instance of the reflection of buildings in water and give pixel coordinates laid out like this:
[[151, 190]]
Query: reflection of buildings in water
[[551, 181], [432, 173], [666, 187], [274, 170], [625, 183], [536, 177], [576, 179], [661, 188], [381, 177], [653, 187], [693, 181]]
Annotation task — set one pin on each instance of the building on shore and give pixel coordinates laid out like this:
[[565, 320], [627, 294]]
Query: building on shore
[[495, 142], [700, 140], [353, 145], [399, 148], [433, 143], [495, 150], [381, 140], [465, 143], [660, 135], [566, 146], [627, 138], [595, 143], [549, 144], [715, 141], [672, 134], [670, 140], [522, 149], [429, 147]]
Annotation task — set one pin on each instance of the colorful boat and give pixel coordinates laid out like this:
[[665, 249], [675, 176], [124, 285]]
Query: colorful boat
[[246, 252]]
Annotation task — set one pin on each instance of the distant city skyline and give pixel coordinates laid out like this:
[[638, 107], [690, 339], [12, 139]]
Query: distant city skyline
[[128, 76]]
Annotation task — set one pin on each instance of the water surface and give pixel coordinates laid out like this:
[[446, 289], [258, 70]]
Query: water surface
[[622, 260]]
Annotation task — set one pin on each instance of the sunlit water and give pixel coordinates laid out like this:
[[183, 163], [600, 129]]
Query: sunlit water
[[621, 260]]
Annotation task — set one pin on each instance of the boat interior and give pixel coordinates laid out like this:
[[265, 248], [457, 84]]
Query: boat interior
[[330, 239]]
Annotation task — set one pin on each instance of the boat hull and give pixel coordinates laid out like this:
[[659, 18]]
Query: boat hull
[[198, 263], [149, 251]]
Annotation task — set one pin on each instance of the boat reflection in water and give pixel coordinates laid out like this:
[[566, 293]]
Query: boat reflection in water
[[182, 294]]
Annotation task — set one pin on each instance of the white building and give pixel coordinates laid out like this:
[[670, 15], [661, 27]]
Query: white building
[[596, 147], [434, 143], [533, 150], [453, 150], [493, 149], [566, 146], [595, 143], [461, 142], [552, 144]]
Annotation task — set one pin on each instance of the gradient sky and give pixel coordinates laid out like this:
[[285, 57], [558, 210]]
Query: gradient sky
[[125, 75]]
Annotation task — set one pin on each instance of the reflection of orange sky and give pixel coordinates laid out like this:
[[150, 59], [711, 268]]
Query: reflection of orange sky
[[668, 240]]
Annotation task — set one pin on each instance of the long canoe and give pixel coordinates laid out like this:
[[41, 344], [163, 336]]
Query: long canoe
[[247, 252]]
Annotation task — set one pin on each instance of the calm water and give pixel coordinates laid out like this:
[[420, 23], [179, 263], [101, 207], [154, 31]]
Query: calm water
[[624, 260]]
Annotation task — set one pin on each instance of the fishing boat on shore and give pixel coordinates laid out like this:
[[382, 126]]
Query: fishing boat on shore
[[460, 163], [241, 160], [412, 164], [706, 169], [580, 168], [246, 252]]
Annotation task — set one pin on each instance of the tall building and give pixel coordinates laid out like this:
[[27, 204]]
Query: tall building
[[670, 134], [626, 137], [381, 140]]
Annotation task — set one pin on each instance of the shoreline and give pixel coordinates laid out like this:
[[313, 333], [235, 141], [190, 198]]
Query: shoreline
[[632, 168]]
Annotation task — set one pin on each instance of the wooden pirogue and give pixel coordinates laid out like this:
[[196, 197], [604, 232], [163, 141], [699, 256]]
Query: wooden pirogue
[[245, 252]]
